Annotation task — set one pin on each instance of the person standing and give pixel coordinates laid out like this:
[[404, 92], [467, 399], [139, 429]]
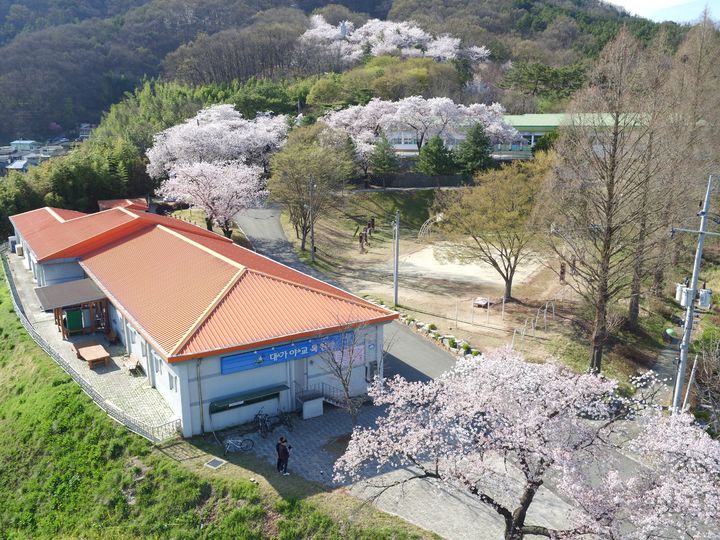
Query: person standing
[[277, 450], [283, 452]]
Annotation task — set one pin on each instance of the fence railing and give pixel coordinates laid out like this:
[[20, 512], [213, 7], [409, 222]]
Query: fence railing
[[155, 434], [323, 390]]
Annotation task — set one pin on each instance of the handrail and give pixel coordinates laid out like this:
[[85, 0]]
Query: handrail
[[154, 434]]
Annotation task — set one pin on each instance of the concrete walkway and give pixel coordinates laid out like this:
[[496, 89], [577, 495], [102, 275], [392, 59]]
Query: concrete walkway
[[120, 390]]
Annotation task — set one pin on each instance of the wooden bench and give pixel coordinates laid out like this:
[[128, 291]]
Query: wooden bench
[[75, 347], [132, 364]]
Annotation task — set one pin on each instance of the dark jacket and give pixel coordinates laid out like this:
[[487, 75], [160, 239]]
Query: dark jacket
[[283, 451]]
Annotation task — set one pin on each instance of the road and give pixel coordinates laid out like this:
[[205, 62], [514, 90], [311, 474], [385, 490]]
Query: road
[[451, 514], [408, 353]]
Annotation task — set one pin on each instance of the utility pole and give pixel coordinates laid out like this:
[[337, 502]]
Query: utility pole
[[396, 256], [312, 222], [690, 299]]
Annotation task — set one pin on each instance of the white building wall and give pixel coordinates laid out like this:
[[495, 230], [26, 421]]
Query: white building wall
[[215, 386], [178, 382], [164, 377], [53, 272]]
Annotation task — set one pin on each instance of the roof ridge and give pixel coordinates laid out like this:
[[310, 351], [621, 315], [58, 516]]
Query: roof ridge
[[208, 310], [54, 214], [352, 300], [90, 215], [125, 312], [199, 246], [354, 296], [124, 210]]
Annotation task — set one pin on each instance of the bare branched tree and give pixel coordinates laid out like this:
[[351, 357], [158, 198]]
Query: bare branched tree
[[708, 382], [341, 360], [658, 185], [595, 199], [692, 124]]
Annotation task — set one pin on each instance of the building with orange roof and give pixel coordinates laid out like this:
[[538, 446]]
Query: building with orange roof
[[137, 203], [221, 331]]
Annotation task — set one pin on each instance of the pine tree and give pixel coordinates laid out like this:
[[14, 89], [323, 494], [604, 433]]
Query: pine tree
[[473, 154], [384, 162], [435, 158]]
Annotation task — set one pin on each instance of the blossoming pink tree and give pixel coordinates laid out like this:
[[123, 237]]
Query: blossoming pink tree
[[423, 117], [218, 134], [378, 38], [216, 161], [496, 417], [220, 190]]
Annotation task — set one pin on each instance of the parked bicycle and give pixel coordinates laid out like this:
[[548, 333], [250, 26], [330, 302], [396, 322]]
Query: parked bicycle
[[284, 419], [263, 424], [236, 444]]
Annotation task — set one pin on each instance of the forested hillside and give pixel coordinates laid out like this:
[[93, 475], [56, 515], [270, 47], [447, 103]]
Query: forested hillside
[[62, 63], [27, 15], [70, 73], [547, 30]]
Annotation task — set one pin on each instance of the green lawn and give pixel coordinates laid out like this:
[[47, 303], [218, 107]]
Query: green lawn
[[68, 470], [413, 205]]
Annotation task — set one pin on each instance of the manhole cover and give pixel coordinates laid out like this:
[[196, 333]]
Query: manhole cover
[[215, 463]]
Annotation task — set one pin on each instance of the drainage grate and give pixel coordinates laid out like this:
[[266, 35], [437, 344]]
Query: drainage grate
[[215, 463]]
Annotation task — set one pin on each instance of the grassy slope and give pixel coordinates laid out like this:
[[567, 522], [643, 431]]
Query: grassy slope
[[353, 215], [68, 470]]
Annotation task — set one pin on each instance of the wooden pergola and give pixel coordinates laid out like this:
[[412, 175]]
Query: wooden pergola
[[69, 301]]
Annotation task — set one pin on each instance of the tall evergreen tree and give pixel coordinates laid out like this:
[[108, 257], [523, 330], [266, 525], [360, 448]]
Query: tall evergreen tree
[[384, 162], [473, 154], [435, 158]]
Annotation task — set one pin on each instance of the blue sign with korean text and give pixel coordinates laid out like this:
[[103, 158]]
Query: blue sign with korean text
[[283, 353]]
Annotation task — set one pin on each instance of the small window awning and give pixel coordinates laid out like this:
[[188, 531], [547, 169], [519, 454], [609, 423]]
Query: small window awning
[[237, 400], [70, 293]]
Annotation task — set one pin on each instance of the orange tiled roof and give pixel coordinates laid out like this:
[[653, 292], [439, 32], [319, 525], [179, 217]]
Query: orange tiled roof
[[196, 294], [49, 234], [278, 311], [160, 280], [53, 233], [189, 291], [134, 204]]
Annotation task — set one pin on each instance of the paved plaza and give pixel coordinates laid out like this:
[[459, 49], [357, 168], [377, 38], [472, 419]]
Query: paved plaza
[[318, 442], [121, 390]]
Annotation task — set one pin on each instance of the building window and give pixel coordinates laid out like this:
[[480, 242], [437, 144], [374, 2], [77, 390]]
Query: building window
[[171, 381], [132, 337], [158, 363]]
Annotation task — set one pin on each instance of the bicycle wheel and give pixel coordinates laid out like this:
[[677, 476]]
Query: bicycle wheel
[[246, 445]]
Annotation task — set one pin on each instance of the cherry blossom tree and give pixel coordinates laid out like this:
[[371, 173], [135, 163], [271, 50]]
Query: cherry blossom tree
[[217, 134], [220, 190], [216, 161], [378, 38], [500, 429], [426, 118]]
